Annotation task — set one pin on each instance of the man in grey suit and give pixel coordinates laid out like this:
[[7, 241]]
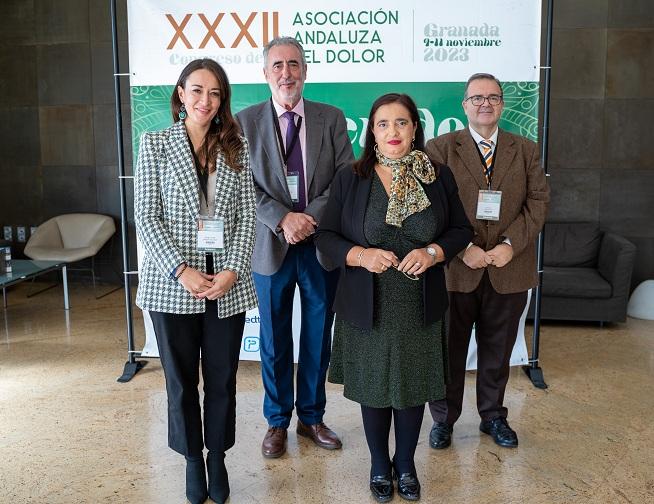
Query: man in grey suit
[[296, 148]]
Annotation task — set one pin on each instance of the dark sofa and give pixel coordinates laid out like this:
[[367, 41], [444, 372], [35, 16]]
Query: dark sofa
[[586, 273]]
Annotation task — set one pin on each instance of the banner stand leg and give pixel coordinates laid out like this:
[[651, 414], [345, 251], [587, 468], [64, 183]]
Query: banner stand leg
[[533, 370], [132, 366], [130, 370], [535, 374]]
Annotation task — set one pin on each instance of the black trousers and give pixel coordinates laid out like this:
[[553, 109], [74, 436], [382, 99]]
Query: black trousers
[[181, 338], [496, 318]]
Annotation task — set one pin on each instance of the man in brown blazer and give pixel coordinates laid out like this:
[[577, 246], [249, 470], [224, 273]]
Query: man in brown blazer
[[505, 195]]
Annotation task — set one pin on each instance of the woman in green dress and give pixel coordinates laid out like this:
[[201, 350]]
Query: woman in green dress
[[391, 223]]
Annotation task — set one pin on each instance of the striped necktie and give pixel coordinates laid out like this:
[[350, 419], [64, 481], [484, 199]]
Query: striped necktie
[[487, 154]]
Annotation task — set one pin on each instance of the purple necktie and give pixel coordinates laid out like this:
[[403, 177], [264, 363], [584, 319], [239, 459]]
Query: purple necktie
[[294, 163]]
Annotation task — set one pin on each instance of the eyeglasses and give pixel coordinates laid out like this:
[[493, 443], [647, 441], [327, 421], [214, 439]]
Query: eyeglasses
[[410, 276], [478, 100]]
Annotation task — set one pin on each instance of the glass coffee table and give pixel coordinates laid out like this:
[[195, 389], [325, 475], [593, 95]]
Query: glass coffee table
[[26, 269]]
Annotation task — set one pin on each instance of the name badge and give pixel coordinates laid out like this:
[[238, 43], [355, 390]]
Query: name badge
[[488, 205], [211, 233], [293, 183]]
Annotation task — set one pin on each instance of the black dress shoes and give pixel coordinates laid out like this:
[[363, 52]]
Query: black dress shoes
[[440, 435], [498, 428], [408, 486], [381, 487]]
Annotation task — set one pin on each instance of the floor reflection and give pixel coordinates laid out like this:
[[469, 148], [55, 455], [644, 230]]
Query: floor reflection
[[73, 434]]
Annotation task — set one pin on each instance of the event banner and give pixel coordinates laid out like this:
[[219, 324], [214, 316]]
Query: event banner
[[355, 51]]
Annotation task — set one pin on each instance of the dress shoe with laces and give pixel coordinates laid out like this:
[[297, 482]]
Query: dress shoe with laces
[[274, 442], [381, 487], [320, 434], [440, 435], [408, 486], [498, 428]]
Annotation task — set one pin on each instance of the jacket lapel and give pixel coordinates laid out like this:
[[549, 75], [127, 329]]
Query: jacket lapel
[[505, 152], [266, 131], [438, 203], [315, 126], [181, 161], [359, 207], [224, 184], [469, 154]]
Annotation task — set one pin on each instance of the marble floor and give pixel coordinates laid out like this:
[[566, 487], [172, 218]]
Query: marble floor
[[69, 433]]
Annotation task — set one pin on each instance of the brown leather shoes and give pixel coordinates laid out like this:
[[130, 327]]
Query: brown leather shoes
[[320, 434], [274, 443]]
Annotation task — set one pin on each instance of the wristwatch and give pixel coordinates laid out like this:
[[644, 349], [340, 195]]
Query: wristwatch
[[432, 252]]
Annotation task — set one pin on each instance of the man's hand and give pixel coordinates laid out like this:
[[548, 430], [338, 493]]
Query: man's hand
[[297, 226], [475, 257], [501, 254]]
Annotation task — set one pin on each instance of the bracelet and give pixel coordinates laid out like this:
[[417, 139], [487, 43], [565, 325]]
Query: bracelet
[[184, 266], [360, 255]]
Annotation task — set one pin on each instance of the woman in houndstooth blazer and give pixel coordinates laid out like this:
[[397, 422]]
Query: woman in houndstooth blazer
[[197, 168]]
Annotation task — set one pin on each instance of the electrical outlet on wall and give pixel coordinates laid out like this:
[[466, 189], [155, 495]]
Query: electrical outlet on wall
[[8, 233], [32, 230], [20, 234]]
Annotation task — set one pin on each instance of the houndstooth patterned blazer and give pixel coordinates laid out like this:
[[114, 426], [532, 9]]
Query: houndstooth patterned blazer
[[166, 205]]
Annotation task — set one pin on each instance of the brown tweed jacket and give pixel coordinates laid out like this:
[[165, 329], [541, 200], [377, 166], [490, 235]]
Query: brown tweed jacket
[[525, 195]]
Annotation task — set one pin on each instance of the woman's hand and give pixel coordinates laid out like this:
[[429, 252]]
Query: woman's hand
[[222, 283], [378, 260], [418, 260], [194, 281]]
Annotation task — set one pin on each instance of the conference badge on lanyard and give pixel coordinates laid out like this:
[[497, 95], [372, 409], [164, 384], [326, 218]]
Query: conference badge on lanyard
[[293, 183], [488, 205], [211, 233]]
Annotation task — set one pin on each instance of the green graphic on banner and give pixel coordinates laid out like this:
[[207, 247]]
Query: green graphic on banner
[[439, 104]]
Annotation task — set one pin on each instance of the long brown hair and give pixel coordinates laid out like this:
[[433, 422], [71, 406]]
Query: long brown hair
[[225, 135], [366, 162]]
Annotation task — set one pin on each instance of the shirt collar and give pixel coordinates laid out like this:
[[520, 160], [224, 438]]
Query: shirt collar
[[478, 138], [298, 109]]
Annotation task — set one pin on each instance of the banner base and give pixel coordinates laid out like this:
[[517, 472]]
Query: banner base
[[535, 374], [131, 368]]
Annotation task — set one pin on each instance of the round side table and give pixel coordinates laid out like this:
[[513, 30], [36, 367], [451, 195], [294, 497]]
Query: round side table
[[641, 302]]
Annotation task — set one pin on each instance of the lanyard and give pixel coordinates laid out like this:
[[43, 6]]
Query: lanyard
[[201, 171], [289, 148]]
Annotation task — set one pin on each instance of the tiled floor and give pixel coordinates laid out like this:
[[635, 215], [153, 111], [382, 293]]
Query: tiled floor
[[69, 433]]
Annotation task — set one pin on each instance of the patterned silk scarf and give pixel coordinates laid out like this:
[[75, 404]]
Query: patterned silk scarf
[[406, 194]]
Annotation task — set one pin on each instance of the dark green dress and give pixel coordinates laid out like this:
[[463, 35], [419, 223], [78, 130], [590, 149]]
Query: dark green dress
[[399, 362]]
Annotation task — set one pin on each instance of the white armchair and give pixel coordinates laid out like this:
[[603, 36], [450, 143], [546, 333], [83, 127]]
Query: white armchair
[[71, 238]]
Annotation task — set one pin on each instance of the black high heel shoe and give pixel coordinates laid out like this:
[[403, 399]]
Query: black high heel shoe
[[408, 486], [381, 487], [218, 478]]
